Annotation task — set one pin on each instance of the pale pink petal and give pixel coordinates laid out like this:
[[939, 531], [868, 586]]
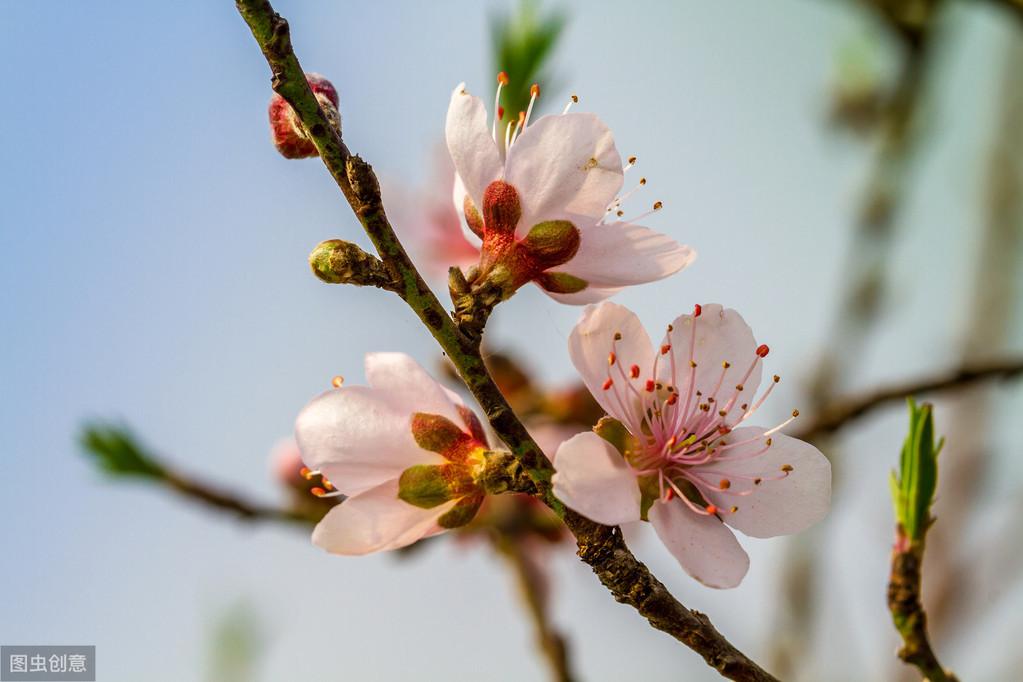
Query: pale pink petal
[[704, 547], [412, 386], [359, 437], [375, 521], [563, 165], [550, 436], [589, 346], [473, 150], [458, 194], [774, 507], [721, 336], [593, 479], [621, 254]]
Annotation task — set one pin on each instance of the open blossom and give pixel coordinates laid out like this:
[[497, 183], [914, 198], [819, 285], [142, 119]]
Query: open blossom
[[404, 450], [543, 198], [687, 460]]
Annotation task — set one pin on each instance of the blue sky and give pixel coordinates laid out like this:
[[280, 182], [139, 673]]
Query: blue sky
[[155, 272]]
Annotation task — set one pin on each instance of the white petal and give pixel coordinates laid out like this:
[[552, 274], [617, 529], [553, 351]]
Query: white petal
[[412, 386], [473, 150], [780, 507], [589, 346], [721, 335], [375, 521], [593, 479], [562, 165], [620, 254], [704, 547], [359, 437]]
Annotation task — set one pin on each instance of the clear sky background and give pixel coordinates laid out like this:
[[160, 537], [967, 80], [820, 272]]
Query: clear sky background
[[154, 270]]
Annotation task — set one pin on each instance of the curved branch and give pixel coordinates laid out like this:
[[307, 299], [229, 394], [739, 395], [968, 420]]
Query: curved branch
[[599, 546], [842, 412]]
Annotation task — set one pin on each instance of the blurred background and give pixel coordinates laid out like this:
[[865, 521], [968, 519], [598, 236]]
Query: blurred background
[[850, 173]]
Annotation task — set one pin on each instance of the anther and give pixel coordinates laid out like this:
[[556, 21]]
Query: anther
[[318, 491], [534, 90], [673, 399], [777, 378], [665, 348], [711, 509], [618, 336], [724, 484], [768, 442], [500, 113], [786, 468], [733, 509], [650, 385], [306, 473], [658, 205], [795, 413], [502, 78], [632, 160], [608, 384], [692, 363], [763, 350], [611, 357], [634, 371], [756, 481], [697, 310], [337, 381], [726, 364]]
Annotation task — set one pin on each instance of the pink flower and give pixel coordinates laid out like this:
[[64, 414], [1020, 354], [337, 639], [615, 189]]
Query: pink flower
[[404, 450], [689, 463], [430, 225], [541, 200]]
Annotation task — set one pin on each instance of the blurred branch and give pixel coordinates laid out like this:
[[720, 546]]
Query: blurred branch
[[599, 546], [532, 586], [1013, 7], [839, 414], [117, 451]]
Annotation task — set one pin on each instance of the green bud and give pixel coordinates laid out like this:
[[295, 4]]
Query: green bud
[[336, 261], [913, 486], [552, 242], [429, 485]]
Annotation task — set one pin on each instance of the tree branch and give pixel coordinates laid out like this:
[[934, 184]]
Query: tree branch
[[834, 417], [600, 546]]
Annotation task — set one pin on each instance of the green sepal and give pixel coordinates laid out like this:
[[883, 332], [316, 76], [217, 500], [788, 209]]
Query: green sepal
[[429, 485], [552, 242], [462, 513], [436, 433], [561, 282]]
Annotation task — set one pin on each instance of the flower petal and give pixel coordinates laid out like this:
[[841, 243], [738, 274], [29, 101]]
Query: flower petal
[[584, 297], [589, 346], [702, 545], [774, 507], [620, 254], [412, 386], [458, 193], [359, 437], [376, 521], [594, 479], [562, 165], [721, 336], [473, 150]]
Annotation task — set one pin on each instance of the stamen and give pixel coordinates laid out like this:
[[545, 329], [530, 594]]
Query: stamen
[[630, 164], [608, 383], [320, 492], [574, 99], [534, 92], [763, 350], [337, 381], [502, 80]]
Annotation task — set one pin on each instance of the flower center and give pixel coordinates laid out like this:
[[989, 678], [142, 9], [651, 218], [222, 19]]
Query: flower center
[[682, 430]]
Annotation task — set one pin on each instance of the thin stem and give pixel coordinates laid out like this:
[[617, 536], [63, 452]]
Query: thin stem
[[225, 500], [599, 546], [843, 412], [908, 611]]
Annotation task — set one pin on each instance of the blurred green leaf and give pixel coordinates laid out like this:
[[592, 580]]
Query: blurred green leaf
[[522, 45], [913, 486], [236, 645], [118, 452]]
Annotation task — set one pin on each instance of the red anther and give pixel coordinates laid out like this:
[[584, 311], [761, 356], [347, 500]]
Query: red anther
[[763, 350], [724, 429], [318, 491], [634, 371], [608, 384], [305, 472], [697, 309], [502, 78], [500, 113], [665, 348], [650, 385], [711, 509], [673, 399], [669, 494], [611, 357], [724, 484], [522, 117], [534, 90]]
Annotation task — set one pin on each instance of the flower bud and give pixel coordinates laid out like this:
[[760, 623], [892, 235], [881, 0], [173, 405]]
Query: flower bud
[[289, 135], [336, 261]]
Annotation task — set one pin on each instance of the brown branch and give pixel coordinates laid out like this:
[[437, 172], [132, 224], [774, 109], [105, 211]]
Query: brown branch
[[601, 547], [908, 611], [842, 412], [224, 500]]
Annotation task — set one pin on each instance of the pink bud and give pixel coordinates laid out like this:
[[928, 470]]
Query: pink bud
[[289, 136]]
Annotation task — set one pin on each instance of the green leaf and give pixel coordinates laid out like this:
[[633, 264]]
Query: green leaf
[[913, 486], [117, 452]]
